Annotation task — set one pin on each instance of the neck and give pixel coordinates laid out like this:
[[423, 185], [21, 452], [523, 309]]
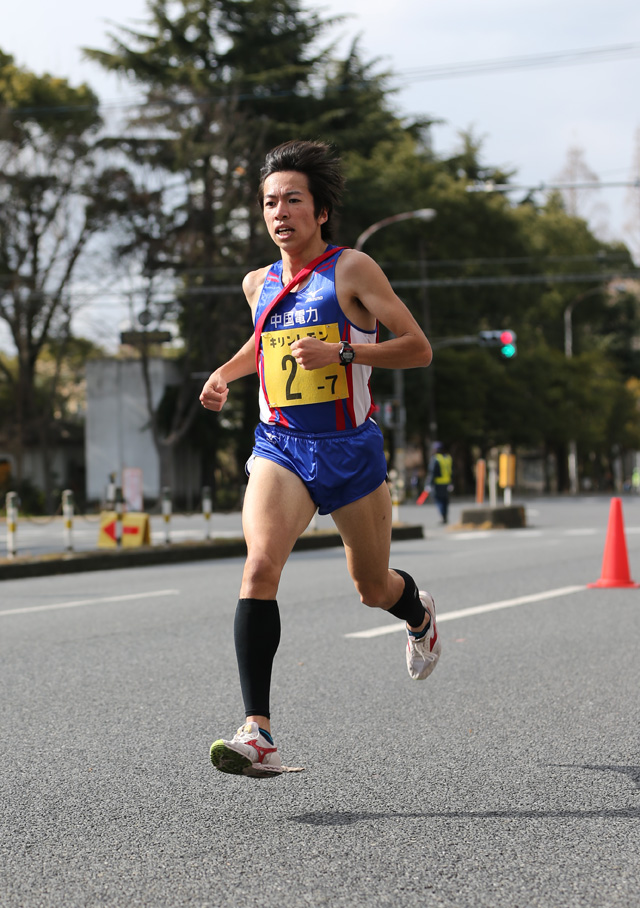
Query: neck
[[292, 263]]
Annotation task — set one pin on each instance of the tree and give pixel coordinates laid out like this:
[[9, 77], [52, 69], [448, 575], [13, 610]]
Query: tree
[[224, 81], [54, 197], [578, 197]]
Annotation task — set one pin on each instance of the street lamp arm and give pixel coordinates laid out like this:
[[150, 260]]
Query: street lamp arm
[[422, 214], [568, 313]]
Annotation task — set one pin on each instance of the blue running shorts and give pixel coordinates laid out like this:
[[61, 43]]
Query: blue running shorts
[[336, 467]]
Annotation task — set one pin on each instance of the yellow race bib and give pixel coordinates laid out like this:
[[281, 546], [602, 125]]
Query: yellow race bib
[[287, 383]]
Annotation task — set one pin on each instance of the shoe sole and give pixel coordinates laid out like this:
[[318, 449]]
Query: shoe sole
[[230, 761]]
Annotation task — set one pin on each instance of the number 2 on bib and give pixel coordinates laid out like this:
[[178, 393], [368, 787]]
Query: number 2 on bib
[[287, 383]]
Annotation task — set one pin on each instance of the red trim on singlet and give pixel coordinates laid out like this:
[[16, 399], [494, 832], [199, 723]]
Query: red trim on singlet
[[299, 277], [348, 402]]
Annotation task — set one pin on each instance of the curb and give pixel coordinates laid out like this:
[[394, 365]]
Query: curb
[[146, 556]]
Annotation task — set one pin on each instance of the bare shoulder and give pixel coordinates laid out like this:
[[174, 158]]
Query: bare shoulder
[[354, 266], [359, 276], [252, 285], [363, 289]]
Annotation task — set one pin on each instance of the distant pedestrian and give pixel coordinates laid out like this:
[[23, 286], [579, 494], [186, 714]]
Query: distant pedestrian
[[440, 478]]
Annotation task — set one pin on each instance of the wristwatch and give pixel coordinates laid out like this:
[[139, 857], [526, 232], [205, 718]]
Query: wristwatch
[[347, 354]]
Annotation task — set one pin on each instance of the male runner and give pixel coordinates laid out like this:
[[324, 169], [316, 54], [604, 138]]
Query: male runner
[[316, 446]]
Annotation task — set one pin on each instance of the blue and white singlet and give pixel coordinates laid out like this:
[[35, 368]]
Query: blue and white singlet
[[330, 399]]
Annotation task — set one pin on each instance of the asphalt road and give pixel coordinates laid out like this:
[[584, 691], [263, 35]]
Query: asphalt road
[[511, 777]]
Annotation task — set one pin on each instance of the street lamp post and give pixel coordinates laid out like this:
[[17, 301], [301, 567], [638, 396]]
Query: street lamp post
[[572, 461], [614, 289], [399, 436], [568, 319], [422, 214]]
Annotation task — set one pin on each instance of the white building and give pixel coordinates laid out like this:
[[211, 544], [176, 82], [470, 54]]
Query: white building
[[118, 432]]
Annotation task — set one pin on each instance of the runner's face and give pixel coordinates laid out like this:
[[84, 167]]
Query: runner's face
[[289, 210]]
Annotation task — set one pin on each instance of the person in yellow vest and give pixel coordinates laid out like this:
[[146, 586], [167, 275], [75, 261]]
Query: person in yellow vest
[[440, 478]]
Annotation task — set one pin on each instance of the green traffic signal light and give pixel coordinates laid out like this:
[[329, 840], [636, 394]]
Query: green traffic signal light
[[508, 344]]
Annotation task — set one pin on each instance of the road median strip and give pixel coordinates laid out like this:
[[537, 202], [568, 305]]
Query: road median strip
[[174, 553]]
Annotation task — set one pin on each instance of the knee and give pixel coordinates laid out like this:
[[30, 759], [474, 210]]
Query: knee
[[373, 595], [261, 576]]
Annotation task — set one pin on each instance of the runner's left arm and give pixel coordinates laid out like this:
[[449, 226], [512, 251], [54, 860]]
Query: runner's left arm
[[364, 292]]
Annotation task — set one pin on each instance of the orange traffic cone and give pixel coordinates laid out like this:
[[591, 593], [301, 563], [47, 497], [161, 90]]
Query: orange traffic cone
[[615, 563]]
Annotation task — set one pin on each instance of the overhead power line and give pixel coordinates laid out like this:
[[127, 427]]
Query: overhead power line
[[402, 78], [529, 61], [489, 186], [588, 277]]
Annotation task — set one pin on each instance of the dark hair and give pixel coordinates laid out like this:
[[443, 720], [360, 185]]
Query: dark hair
[[322, 169]]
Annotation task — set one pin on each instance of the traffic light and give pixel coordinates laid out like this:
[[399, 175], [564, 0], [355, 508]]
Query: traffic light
[[508, 343], [505, 339]]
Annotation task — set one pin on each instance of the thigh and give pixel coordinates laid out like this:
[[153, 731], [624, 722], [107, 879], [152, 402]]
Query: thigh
[[365, 527], [277, 509]]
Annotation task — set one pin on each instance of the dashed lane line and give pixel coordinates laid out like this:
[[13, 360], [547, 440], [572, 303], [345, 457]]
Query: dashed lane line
[[80, 602], [476, 610]]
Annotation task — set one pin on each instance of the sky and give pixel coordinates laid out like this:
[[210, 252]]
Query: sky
[[528, 117]]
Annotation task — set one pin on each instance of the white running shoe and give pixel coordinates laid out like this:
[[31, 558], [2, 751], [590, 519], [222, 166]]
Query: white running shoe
[[423, 653], [247, 754]]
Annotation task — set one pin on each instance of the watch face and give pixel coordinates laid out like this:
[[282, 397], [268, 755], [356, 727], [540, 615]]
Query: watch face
[[346, 354]]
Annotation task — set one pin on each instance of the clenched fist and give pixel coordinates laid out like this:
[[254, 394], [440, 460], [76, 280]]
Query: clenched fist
[[214, 393], [312, 353]]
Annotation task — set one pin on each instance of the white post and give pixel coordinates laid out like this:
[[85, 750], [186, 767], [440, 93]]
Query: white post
[[12, 504], [207, 508], [493, 483], [166, 513], [67, 513], [119, 509], [111, 491]]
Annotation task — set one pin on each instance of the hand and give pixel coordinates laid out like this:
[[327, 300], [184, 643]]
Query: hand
[[214, 393], [311, 353]]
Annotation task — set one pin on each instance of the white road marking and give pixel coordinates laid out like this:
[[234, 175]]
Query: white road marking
[[473, 534], [476, 610], [585, 531], [80, 602]]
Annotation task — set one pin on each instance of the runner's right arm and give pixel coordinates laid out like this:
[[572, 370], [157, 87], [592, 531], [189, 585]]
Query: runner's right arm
[[215, 391]]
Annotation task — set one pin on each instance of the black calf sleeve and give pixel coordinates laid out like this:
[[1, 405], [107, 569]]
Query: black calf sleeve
[[256, 632], [408, 607]]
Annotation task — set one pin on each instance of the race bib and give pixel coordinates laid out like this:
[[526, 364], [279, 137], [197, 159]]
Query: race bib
[[287, 383]]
